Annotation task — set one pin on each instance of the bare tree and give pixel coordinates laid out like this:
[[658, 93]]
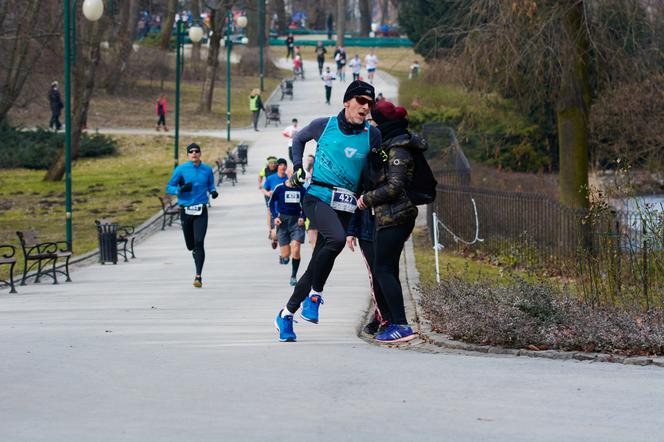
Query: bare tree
[[217, 18], [83, 88], [27, 28], [341, 21], [365, 18], [121, 51], [167, 24], [280, 10]]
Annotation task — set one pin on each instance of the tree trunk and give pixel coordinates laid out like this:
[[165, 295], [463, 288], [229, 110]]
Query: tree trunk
[[217, 18], [365, 18], [280, 9], [252, 24], [83, 88], [384, 12], [341, 21], [573, 110], [167, 24], [24, 51], [196, 47], [121, 51]]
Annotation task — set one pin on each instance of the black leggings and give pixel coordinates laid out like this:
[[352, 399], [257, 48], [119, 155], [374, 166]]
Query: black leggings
[[367, 248], [328, 93], [162, 120], [388, 244], [331, 241], [256, 114], [321, 63], [194, 228]]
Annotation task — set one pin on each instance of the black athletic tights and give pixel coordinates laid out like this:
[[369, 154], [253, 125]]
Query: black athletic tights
[[367, 248], [331, 241], [194, 228], [388, 244]]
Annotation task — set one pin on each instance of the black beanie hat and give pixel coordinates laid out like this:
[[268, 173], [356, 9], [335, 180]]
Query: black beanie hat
[[357, 88], [193, 146], [282, 161]]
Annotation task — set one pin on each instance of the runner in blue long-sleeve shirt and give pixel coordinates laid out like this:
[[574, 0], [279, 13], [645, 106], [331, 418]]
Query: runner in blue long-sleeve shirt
[[286, 208], [191, 182]]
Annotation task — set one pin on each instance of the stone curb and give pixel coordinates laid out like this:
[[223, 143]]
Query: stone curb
[[412, 293]]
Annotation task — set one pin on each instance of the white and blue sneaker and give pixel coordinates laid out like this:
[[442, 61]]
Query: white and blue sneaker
[[395, 333], [310, 307], [285, 327]]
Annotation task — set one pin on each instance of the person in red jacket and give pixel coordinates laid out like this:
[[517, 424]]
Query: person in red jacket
[[160, 109]]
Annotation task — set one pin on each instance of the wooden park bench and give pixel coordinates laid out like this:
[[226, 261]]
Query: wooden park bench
[[170, 209], [42, 256], [7, 258], [125, 238]]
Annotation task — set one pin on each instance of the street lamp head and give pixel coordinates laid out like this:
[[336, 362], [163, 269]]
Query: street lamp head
[[195, 33], [244, 40], [93, 9], [241, 21]]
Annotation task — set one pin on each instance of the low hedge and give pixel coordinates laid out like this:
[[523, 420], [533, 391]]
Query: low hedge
[[37, 149], [525, 314]]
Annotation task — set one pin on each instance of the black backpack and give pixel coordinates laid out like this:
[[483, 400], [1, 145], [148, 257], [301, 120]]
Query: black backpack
[[422, 189]]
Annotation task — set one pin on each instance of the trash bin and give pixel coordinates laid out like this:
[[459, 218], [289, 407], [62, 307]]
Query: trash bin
[[108, 242]]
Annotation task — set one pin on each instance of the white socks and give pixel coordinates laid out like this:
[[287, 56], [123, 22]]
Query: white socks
[[285, 313]]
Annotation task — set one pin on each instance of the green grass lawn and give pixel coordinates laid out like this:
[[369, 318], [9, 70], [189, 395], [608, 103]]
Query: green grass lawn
[[123, 187]]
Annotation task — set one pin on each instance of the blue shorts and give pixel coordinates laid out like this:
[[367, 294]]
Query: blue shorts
[[289, 230]]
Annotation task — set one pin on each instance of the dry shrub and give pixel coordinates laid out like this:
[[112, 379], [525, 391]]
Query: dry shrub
[[524, 314], [627, 123], [250, 63]]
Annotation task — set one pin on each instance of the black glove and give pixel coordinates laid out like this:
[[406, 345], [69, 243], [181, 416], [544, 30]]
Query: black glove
[[186, 187], [214, 194], [298, 177]]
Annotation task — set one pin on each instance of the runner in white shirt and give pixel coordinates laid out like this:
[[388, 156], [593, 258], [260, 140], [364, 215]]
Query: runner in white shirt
[[328, 78], [371, 61], [290, 133], [355, 67]]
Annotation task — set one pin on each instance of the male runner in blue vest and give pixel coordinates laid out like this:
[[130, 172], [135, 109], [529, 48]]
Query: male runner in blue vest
[[344, 142]]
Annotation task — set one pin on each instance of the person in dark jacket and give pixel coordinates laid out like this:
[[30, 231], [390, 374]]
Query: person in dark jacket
[[290, 46], [56, 105], [389, 174], [361, 229]]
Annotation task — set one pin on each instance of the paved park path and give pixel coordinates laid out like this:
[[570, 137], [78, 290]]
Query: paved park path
[[134, 353]]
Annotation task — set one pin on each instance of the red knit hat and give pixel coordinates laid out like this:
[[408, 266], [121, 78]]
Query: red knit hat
[[384, 111]]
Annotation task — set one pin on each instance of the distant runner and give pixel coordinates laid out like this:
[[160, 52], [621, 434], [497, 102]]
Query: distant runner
[[191, 182]]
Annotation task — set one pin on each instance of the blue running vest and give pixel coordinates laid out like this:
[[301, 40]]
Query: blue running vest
[[340, 159]]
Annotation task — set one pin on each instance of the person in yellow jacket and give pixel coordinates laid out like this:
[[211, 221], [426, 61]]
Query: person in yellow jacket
[[256, 105]]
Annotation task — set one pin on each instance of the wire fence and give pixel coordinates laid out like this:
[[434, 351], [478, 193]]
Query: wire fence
[[614, 257]]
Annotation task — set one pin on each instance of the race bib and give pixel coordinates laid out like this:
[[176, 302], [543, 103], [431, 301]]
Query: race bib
[[344, 200], [292, 196], [194, 210]]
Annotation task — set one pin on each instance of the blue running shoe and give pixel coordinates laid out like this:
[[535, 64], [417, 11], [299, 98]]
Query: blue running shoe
[[395, 333], [293, 281], [285, 327], [310, 307]]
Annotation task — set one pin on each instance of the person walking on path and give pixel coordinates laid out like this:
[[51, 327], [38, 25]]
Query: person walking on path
[[320, 56], [355, 67], [330, 26], [288, 216], [160, 109], [290, 133], [362, 228], [371, 62], [55, 103], [395, 213], [290, 46], [344, 143], [191, 182], [340, 58], [255, 106], [328, 79]]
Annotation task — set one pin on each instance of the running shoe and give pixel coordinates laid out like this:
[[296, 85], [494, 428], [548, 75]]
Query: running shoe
[[198, 282], [310, 307], [293, 281], [395, 333], [285, 327], [274, 245]]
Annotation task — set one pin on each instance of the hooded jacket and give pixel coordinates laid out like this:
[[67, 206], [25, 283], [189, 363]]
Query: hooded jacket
[[389, 173]]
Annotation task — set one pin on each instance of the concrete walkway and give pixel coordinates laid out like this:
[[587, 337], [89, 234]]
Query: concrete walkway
[[134, 353]]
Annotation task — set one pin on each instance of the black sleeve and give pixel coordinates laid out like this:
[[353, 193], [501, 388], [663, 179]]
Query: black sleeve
[[375, 139], [312, 131]]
